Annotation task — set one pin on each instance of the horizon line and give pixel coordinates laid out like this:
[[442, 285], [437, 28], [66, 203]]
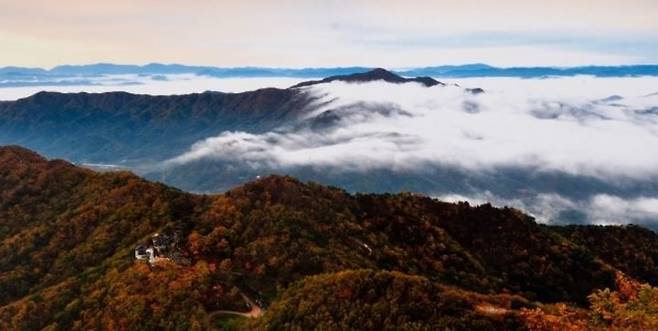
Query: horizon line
[[141, 65]]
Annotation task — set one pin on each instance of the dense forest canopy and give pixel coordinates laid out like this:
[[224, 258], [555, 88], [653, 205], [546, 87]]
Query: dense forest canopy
[[277, 253]]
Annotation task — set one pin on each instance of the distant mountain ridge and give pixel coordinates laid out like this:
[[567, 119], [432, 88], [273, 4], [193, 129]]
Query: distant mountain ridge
[[115, 126], [452, 71], [373, 75], [483, 70], [158, 68]]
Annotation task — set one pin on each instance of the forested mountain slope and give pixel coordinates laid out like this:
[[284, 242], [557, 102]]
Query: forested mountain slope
[[67, 239], [137, 129]]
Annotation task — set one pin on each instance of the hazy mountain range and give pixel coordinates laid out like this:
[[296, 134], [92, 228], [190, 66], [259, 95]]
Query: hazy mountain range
[[66, 75]]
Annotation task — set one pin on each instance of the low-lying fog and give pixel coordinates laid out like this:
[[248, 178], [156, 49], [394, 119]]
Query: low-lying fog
[[584, 127], [608, 129]]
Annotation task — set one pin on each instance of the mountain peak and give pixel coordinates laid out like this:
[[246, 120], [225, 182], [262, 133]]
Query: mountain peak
[[376, 74]]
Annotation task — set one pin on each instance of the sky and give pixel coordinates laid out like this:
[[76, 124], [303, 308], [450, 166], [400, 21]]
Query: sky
[[288, 33]]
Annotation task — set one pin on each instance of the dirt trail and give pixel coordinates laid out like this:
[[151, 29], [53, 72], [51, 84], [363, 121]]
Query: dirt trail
[[490, 310], [255, 311]]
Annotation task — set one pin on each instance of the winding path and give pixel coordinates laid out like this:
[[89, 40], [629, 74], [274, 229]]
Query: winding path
[[255, 311]]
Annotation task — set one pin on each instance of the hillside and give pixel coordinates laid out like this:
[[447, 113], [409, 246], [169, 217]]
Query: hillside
[[383, 300], [138, 129], [67, 240], [141, 133]]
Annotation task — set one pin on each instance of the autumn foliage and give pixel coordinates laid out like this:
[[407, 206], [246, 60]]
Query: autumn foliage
[[308, 255], [632, 306]]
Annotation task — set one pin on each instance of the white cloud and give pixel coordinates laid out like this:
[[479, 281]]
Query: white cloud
[[548, 124], [609, 209], [601, 209]]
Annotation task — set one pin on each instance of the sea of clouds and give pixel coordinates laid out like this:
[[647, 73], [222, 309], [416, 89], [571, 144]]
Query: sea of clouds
[[604, 128], [406, 126]]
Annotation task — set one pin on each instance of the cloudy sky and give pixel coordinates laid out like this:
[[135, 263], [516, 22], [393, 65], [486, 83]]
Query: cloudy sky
[[288, 33]]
